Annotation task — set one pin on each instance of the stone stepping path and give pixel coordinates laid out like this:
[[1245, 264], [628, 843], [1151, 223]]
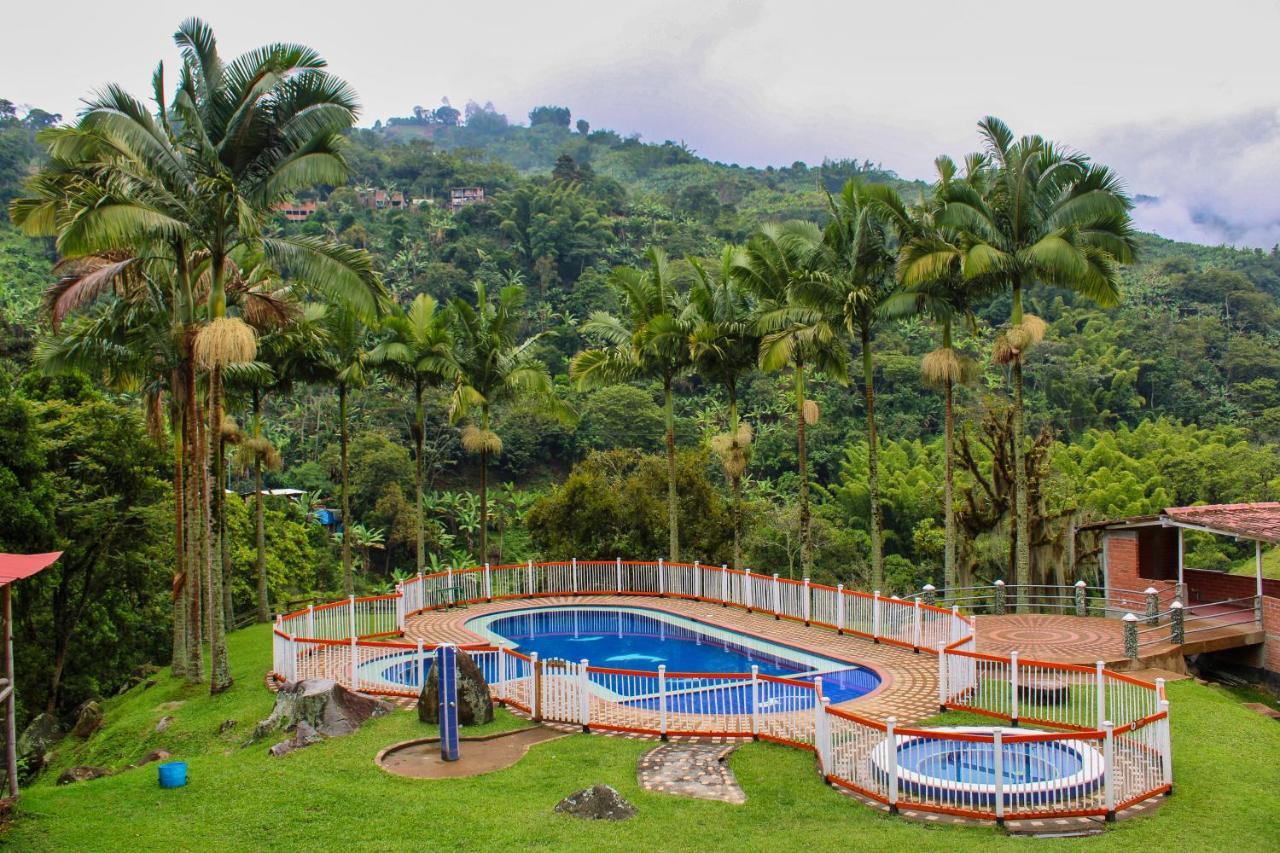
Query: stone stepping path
[[695, 770]]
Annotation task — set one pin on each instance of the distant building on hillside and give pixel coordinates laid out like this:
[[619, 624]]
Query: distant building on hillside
[[379, 199], [297, 211], [460, 197]]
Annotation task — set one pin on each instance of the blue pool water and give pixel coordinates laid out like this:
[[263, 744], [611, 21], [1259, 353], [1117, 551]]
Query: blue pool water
[[975, 763], [639, 639]]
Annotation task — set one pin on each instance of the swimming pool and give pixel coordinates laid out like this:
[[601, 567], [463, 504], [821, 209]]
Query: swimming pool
[[640, 640]]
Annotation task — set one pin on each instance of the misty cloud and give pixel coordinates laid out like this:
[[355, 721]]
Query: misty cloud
[[1212, 181]]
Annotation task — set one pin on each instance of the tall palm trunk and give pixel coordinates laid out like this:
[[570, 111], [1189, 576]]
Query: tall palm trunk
[[948, 474], [219, 664], [419, 426], [348, 581], [735, 476], [194, 528], [673, 506], [259, 518], [1022, 552], [484, 489], [873, 464], [802, 449], [179, 661]]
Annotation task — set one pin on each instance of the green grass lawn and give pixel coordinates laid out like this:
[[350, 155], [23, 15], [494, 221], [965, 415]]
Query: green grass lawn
[[331, 796]]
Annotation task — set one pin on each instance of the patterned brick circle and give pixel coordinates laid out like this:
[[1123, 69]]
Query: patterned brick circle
[[1072, 639]]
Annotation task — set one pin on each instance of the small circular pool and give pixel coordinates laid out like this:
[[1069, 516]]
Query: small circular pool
[[964, 771]]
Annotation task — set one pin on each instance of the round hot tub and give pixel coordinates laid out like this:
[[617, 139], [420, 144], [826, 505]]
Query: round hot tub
[[964, 771]]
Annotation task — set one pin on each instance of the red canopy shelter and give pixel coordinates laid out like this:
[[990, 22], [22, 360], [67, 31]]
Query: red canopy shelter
[[14, 567]]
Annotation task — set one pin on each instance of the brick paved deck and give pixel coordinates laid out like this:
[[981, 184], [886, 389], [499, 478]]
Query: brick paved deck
[[908, 688]]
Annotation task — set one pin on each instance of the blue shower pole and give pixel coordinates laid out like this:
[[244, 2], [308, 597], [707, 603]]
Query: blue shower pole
[[447, 669]]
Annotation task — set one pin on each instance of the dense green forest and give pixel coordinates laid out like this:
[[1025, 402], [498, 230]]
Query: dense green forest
[[540, 432]]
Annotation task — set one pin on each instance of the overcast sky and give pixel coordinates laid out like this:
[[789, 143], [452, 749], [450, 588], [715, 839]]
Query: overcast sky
[[1182, 98]]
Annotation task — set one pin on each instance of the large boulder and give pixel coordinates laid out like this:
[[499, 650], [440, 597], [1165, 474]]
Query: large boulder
[[34, 744], [326, 706], [599, 802], [81, 774], [88, 719], [475, 706]]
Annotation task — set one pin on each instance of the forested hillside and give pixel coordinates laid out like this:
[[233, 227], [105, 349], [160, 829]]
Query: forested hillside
[[1171, 397]]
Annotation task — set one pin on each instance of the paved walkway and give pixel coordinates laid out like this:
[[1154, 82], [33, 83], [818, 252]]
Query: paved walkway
[[690, 770], [909, 682], [1067, 639]]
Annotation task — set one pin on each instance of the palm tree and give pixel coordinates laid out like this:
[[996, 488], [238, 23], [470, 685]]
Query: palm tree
[[778, 265], [858, 260], [723, 345], [199, 176], [1037, 214], [418, 350], [947, 297], [491, 365], [342, 363], [650, 342]]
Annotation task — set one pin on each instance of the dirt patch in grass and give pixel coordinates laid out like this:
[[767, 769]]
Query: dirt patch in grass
[[420, 759]]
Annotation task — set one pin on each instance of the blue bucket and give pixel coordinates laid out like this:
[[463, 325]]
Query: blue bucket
[[173, 774]]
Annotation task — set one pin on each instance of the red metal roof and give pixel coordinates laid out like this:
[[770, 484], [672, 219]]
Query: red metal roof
[[15, 567], [1259, 521]]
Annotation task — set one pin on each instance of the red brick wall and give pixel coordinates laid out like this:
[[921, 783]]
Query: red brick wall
[[1122, 572]]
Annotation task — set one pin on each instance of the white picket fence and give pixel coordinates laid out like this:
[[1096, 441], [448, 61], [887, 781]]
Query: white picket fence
[[1114, 727]]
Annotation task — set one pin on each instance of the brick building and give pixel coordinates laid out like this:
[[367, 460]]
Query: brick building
[[1149, 552], [297, 211]]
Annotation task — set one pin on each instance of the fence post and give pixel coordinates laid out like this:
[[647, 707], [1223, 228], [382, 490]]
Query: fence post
[[942, 679], [890, 724], [724, 584], [1001, 598], [777, 598], [955, 622], [488, 583], [1100, 687], [1166, 747], [351, 615], [755, 702], [355, 653], [1153, 605], [917, 628], [875, 617], [998, 767], [530, 577], [825, 755], [662, 578], [422, 668], [535, 687], [840, 608], [818, 714], [573, 574], [1013, 688], [1177, 625], [1082, 601], [746, 591], [311, 621], [502, 673], [1109, 764], [662, 701], [400, 608], [618, 572], [697, 580], [584, 696], [448, 582], [930, 594], [1131, 636], [805, 607]]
